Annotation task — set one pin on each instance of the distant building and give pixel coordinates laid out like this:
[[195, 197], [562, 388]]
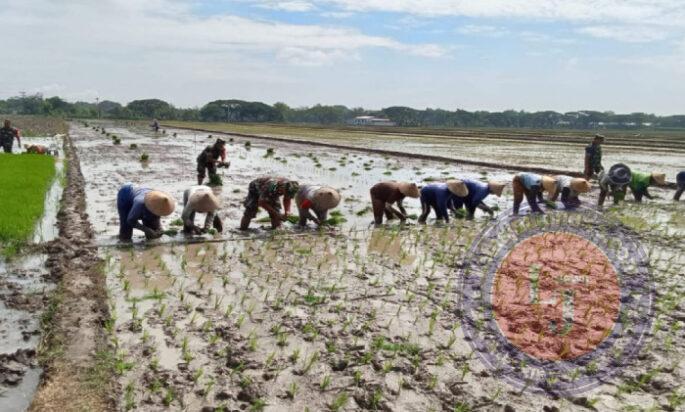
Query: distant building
[[371, 121]]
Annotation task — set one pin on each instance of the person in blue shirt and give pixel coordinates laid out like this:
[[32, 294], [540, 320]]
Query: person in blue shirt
[[140, 208], [680, 181], [440, 197], [477, 192], [531, 185]]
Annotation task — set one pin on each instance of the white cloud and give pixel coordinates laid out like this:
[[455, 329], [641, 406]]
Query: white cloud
[[625, 33], [292, 5], [483, 30]]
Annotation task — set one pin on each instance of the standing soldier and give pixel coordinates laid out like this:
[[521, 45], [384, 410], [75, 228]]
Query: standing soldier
[[640, 182], [7, 136], [265, 192], [614, 182], [593, 157], [385, 194], [319, 199], [208, 160], [680, 181]]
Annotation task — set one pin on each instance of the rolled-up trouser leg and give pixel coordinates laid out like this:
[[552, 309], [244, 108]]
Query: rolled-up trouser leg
[[678, 193], [518, 189], [425, 211], [378, 210], [532, 196]]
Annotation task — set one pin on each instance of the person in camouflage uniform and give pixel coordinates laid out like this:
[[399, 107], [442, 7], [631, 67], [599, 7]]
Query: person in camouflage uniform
[[265, 192], [593, 157], [209, 160], [7, 136]]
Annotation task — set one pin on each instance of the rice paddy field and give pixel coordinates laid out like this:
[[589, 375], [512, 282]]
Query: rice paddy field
[[356, 316]]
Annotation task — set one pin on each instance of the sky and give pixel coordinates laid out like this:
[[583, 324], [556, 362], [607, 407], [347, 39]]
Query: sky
[[608, 55]]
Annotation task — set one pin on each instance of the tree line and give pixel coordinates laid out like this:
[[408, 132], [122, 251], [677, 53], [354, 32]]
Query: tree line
[[244, 111]]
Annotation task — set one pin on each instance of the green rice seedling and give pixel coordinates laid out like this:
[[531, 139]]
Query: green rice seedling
[[197, 375], [294, 356], [169, 396], [129, 398], [258, 405], [325, 383], [292, 390], [144, 157], [339, 402]]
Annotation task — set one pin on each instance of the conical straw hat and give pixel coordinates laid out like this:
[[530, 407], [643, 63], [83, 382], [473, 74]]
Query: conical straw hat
[[659, 178], [204, 201], [549, 184], [409, 189], [159, 203], [325, 198], [458, 188], [496, 188], [580, 185]]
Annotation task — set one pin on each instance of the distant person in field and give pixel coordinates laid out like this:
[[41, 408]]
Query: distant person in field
[[385, 194], [155, 125], [200, 199], [478, 191], [7, 136], [680, 181], [641, 181], [141, 208], [569, 188], [317, 199], [593, 157], [265, 192], [36, 149], [614, 182], [531, 185], [211, 157], [441, 197]]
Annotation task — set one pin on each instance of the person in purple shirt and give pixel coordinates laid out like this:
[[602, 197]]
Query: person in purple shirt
[[140, 208], [440, 197], [478, 191]]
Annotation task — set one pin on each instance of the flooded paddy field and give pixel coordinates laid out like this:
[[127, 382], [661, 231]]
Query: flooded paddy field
[[534, 149], [350, 318]]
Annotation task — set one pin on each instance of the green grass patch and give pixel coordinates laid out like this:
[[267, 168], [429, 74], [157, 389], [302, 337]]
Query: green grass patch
[[24, 180]]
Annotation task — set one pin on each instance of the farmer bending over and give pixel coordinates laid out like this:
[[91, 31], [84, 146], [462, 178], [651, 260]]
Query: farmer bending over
[[614, 182], [478, 191], [36, 149], [319, 199], [265, 192], [441, 197], [200, 199], [640, 182], [531, 185], [680, 181], [7, 136], [569, 188], [155, 125], [593, 157], [384, 194], [136, 205], [209, 160]]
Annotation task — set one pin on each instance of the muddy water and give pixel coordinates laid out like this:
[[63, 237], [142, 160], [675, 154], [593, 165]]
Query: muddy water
[[366, 318], [567, 156], [24, 288]]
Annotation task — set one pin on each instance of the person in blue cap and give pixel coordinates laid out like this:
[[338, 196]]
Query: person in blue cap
[[614, 182], [478, 191], [680, 181], [440, 197]]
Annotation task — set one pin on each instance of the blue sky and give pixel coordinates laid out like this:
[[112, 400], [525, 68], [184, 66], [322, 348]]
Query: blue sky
[[620, 55]]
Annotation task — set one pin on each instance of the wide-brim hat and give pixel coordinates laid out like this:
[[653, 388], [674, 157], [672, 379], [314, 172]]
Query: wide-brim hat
[[659, 178], [619, 174], [580, 185], [409, 189], [457, 187], [159, 203], [204, 201], [549, 184], [326, 198], [496, 188]]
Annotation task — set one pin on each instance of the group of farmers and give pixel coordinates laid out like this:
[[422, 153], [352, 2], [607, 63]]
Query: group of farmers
[[141, 208]]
